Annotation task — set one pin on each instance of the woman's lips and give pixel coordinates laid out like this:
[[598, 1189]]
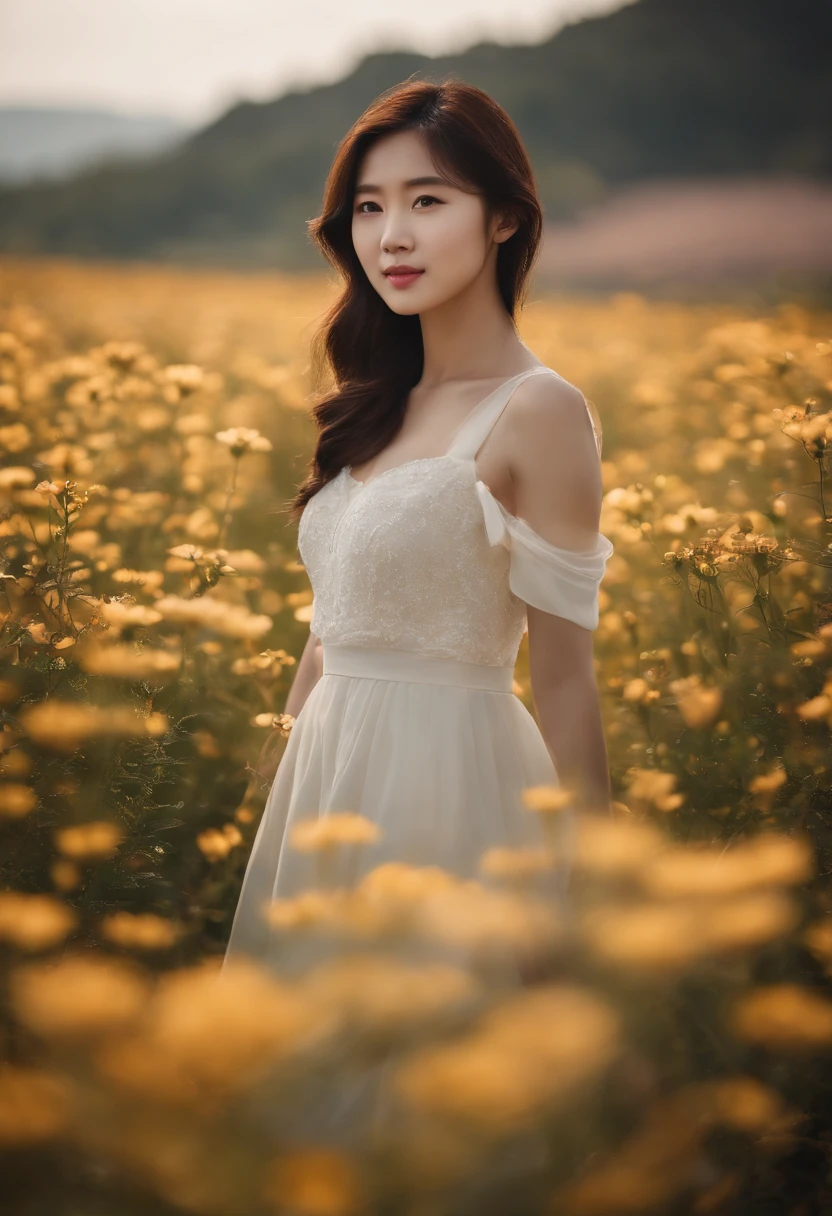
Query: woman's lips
[[404, 280]]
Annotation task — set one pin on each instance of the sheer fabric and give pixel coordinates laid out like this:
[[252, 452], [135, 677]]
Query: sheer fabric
[[561, 581]]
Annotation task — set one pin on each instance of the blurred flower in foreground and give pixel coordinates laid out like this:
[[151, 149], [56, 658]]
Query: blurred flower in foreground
[[331, 829], [231, 620], [315, 1181], [205, 1034], [667, 936], [610, 847], [141, 931], [517, 864], [656, 1161], [127, 661], [35, 1105], [523, 1057], [34, 922], [654, 788], [77, 996], [216, 843], [65, 725], [89, 841], [698, 704], [547, 799], [783, 1016], [771, 857], [383, 998], [16, 799], [489, 925]]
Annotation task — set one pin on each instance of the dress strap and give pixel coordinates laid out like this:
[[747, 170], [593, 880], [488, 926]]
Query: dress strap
[[478, 424]]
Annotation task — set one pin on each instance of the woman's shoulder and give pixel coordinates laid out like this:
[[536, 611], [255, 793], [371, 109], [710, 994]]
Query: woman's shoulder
[[550, 408]]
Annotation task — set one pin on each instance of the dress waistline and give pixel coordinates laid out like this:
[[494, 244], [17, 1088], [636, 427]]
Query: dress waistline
[[380, 663]]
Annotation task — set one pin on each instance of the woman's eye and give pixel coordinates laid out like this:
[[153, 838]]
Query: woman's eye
[[359, 210]]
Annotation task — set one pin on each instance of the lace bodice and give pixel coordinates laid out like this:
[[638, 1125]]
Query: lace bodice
[[423, 557]]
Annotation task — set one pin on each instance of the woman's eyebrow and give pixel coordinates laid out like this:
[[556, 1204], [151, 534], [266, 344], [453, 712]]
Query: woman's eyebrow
[[367, 188]]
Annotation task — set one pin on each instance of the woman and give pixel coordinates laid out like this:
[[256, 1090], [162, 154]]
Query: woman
[[454, 499]]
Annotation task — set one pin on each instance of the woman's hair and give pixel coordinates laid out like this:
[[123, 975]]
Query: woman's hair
[[373, 355]]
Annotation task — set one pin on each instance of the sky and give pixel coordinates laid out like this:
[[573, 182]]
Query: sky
[[191, 59]]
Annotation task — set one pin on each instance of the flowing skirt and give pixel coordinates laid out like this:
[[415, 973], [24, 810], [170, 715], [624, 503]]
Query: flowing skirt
[[435, 752]]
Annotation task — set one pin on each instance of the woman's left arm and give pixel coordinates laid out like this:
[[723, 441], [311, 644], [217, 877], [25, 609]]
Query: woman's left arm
[[565, 695], [556, 472]]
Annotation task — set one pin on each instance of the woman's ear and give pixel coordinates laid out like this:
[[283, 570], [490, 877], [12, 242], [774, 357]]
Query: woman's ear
[[504, 226]]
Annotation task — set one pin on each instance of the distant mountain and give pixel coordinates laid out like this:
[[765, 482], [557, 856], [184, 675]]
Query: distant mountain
[[40, 142], [659, 89]]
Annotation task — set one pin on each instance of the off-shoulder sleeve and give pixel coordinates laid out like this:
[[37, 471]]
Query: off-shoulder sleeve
[[564, 582]]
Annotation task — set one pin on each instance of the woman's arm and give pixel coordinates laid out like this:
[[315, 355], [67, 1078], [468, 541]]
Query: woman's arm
[[565, 695], [556, 471], [309, 671]]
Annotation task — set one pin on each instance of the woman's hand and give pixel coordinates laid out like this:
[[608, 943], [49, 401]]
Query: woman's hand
[[309, 671], [271, 753]]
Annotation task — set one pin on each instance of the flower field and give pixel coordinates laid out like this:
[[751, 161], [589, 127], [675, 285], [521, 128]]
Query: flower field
[[427, 1046]]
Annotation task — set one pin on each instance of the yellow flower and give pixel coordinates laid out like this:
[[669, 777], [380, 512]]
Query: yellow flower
[[655, 787], [127, 661], [15, 477], [528, 1053], [207, 1033], [381, 997], [397, 883], [685, 870], [547, 798], [698, 705], [89, 841], [231, 620], [516, 863], [615, 846], [488, 923], [242, 439], [65, 725], [35, 1105], [217, 843], [313, 1181], [783, 1016], [16, 799], [333, 828], [187, 377], [142, 931], [34, 922], [77, 995]]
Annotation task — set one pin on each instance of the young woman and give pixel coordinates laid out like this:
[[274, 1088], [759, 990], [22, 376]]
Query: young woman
[[453, 500]]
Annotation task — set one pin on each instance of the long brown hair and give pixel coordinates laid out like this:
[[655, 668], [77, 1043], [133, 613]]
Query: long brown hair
[[375, 356]]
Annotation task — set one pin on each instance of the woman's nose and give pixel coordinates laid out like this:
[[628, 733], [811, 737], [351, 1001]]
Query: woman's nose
[[395, 236]]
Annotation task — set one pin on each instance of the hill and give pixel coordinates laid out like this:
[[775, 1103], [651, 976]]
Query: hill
[[655, 90], [43, 142]]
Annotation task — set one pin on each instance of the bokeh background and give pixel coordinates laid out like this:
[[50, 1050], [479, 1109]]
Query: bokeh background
[[418, 1044]]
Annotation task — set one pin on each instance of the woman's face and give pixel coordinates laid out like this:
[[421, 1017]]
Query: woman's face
[[435, 228]]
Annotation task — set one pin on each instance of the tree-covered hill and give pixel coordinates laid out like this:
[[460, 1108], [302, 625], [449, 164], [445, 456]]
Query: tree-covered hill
[[657, 89]]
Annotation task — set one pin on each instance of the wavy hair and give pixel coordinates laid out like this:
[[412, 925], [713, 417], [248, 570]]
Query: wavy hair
[[373, 356]]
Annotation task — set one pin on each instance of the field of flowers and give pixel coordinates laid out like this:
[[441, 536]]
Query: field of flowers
[[427, 1046]]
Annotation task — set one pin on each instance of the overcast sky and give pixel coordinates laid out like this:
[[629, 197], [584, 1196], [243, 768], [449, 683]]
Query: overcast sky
[[192, 58]]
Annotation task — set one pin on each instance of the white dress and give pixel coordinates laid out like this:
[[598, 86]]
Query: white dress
[[420, 580]]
